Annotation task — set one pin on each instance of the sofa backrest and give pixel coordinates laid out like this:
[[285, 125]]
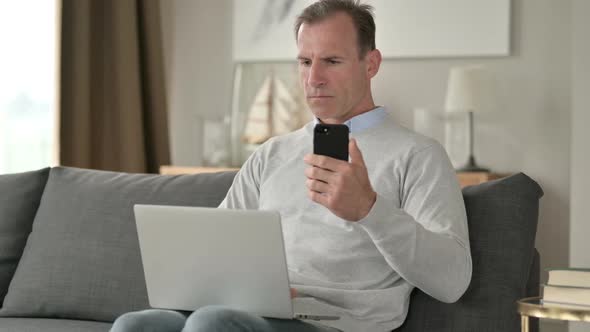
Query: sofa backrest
[[20, 195], [82, 259], [502, 217]]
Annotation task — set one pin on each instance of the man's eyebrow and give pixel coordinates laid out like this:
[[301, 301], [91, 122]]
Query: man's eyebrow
[[333, 57], [329, 57]]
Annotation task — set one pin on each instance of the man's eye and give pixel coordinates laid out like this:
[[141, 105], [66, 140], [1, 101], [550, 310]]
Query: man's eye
[[304, 62], [333, 62]]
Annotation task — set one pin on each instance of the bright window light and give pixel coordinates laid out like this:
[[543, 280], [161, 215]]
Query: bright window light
[[28, 85]]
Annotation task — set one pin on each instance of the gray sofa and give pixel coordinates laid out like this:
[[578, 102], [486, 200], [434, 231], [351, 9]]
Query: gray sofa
[[70, 261]]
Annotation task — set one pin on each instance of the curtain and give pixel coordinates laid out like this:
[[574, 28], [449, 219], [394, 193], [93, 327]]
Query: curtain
[[112, 95]]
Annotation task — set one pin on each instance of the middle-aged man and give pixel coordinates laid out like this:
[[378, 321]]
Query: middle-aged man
[[359, 235]]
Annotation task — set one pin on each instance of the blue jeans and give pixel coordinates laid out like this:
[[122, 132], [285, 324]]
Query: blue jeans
[[209, 319]]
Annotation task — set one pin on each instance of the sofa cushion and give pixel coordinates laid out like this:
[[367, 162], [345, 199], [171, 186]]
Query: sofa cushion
[[82, 257], [19, 199], [502, 217], [51, 325]]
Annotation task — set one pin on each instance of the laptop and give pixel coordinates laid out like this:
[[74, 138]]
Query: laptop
[[194, 256]]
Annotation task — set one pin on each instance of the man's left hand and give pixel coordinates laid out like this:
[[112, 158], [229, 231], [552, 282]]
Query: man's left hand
[[342, 187]]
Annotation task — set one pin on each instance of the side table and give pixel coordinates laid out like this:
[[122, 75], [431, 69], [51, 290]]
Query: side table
[[176, 170], [532, 307], [473, 178], [465, 178]]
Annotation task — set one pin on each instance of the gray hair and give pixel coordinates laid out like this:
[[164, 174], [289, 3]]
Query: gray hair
[[361, 14]]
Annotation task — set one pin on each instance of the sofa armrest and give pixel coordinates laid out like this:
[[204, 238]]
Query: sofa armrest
[[533, 286], [502, 217]]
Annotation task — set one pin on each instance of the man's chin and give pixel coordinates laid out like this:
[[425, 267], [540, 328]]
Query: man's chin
[[321, 112]]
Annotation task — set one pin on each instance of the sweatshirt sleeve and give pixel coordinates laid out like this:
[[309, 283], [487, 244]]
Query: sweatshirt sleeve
[[425, 241], [244, 192]]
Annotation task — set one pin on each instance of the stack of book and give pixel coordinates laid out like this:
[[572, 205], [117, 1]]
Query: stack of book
[[568, 287]]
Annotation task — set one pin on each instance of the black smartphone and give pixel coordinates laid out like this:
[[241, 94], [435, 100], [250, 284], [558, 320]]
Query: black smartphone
[[331, 140]]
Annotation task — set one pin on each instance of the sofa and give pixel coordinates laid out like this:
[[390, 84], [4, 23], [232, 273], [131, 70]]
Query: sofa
[[70, 260]]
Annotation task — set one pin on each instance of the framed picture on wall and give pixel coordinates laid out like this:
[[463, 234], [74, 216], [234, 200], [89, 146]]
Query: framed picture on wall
[[263, 29]]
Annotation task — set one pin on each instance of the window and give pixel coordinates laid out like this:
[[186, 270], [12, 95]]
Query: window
[[28, 85]]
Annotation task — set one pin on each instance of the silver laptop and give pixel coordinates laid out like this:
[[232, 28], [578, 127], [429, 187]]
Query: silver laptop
[[193, 257]]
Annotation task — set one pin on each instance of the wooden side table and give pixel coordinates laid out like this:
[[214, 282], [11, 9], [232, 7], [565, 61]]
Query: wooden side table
[[532, 307], [465, 178], [175, 170], [473, 178]]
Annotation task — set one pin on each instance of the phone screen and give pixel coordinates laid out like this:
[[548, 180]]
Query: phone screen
[[331, 140]]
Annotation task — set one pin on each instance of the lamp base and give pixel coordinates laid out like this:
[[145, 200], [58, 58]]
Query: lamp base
[[472, 167]]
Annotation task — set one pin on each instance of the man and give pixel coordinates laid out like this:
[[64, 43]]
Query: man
[[359, 235]]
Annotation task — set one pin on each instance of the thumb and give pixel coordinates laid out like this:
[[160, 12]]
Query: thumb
[[356, 157]]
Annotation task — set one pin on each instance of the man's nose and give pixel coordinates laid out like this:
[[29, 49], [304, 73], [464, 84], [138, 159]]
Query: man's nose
[[316, 76]]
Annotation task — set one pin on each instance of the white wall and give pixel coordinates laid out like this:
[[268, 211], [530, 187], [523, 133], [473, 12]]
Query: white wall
[[529, 132], [580, 161], [198, 53]]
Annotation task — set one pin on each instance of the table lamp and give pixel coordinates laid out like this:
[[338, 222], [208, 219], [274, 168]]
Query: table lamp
[[468, 92]]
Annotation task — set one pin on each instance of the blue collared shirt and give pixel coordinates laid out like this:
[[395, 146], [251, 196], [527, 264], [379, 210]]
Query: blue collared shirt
[[363, 121]]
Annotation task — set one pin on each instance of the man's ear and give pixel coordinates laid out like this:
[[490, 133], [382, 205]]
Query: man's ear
[[373, 59]]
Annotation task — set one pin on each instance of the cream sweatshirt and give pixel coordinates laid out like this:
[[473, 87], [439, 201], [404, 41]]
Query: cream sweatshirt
[[414, 236]]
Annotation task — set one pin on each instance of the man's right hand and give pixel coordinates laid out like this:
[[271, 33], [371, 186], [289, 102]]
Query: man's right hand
[[293, 293]]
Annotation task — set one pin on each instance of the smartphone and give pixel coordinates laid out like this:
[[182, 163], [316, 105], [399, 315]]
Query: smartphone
[[331, 140]]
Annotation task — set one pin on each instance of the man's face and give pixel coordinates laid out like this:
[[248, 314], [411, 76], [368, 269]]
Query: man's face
[[335, 79]]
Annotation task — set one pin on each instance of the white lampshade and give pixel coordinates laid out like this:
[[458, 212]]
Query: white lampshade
[[468, 89]]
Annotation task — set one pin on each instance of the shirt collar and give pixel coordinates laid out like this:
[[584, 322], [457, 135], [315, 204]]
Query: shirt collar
[[363, 121]]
